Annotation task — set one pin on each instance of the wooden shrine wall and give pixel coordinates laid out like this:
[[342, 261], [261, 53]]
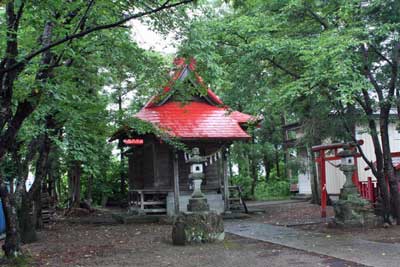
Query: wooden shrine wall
[[151, 167]]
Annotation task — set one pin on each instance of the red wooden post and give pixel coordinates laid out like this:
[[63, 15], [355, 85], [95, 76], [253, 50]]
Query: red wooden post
[[361, 189], [370, 189], [355, 175], [323, 183], [365, 190]]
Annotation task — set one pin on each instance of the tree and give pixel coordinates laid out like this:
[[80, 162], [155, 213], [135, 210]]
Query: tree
[[350, 41], [227, 60], [338, 56], [61, 23]]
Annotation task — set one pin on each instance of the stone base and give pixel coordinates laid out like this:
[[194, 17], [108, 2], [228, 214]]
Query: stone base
[[198, 205], [347, 191], [214, 201], [132, 210], [197, 227], [126, 218], [354, 212]]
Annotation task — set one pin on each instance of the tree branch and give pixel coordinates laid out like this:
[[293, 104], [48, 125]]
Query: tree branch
[[381, 55], [287, 71], [80, 25], [29, 57], [317, 18], [395, 69], [368, 74], [19, 15]]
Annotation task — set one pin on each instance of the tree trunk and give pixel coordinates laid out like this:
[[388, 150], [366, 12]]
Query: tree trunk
[[388, 165], [230, 166], [286, 156], [25, 216], [74, 181], [42, 166], [379, 171], [122, 169], [89, 189], [253, 167], [254, 176], [278, 171], [24, 206], [315, 185], [37, 211], [267, 168], [11, 245]]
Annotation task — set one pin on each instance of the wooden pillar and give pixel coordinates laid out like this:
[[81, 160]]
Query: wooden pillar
[[355, 177], [323, 183], [133, 199], [226, 180], [141, 200], [176, 183]]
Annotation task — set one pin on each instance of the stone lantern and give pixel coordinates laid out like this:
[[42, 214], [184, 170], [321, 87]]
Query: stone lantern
[[351, 210], [199, 224], [197, 202], [347, 166]]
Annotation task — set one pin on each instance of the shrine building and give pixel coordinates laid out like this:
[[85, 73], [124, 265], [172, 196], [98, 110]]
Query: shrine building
[[158, 174]]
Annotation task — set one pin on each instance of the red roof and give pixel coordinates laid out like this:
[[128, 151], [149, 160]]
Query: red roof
[[242, 117], [195, 120], [210, 119]]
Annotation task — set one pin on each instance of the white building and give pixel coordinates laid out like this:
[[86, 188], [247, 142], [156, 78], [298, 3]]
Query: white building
[[334, 177]]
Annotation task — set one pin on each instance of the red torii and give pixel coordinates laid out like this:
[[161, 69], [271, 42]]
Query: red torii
[[321, 161]]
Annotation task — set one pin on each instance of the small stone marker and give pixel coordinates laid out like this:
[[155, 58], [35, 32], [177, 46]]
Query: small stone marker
[[351, 210], [198, 225]]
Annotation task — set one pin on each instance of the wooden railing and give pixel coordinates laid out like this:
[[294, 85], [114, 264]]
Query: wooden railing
[[368, 190]]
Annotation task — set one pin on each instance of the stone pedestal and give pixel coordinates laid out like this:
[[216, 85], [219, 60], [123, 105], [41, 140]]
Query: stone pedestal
[[198, 205], [353, 211], [198, 201], [197, 227]]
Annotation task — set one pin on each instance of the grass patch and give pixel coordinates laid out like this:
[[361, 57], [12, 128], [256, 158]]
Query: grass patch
[[20, 261], [273, 198]]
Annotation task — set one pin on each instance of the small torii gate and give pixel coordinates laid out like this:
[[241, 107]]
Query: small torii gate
[[367, 189], [321, 160]]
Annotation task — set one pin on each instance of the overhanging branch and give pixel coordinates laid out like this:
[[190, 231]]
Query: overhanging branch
[[284, 69], [29, 57]]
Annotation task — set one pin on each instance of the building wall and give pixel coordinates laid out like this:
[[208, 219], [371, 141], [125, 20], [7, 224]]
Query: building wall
[[335, 178], [304, 178], [151, 166], [368, 148]]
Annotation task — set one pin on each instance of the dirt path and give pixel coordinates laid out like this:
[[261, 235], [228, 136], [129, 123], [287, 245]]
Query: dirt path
[[351, 248], [82, 244], [305, 216], [150, 245]]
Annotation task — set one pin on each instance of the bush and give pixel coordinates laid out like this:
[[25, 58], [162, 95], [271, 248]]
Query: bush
[[245, 183], [274, 189]]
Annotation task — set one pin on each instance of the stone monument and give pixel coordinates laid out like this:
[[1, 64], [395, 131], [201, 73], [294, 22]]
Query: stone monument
[[351, 210], [199, 224]]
